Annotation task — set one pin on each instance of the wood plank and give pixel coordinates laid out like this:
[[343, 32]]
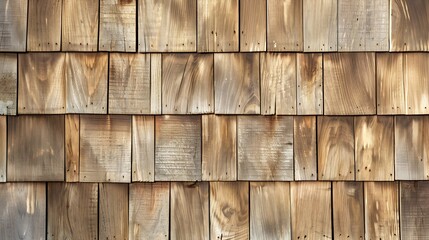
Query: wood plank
[[270, 210], [310, 84], [9, 82], [320, 25], [217, 25], [72, 211], [229, 210], [35, 148], [253, 26], [311, 210], [24, 211], [349, 83], [237, 89], [414, 210], [347, 201], [167, 25], [265, 148], [177, 148], [80, 25], [155, 83], [187, 84], [278, 83], [416, 78], [305, 156], [72, 130], [143, 149], [129, 84], [189, 218], [13, 27], [284, 28], [3, 147], [335, 148], [42, 84], [149, 210], [118, 26], [44, 25], [374, 148], [105, 148], [113, 218], [86, 78], [381, 210]]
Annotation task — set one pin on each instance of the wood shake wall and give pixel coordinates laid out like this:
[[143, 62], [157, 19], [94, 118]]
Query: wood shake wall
[[214, 119]]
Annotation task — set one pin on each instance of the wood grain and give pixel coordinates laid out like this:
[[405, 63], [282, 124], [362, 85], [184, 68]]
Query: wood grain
[[237, 89], [187, 84], [349, 84], [72, 211], [72, 132], [189, 209], [229, 210], [105, 148], [414, 210], [35, 148], [305, 155], [416, 78], [149, 210], [155, 83], [167, 25], [335, 148], [309, 91], [219, 148], [44, 25], [13, 27], [3, 147], [80, 25], [9, 82], [118, 26], [143, 149], [24, 211], [217, 25], [253, 26], [265, 148], [374, 148]]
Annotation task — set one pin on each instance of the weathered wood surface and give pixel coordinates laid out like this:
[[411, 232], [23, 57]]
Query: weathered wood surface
[[167, 25], [187, 84], [416, 78], [305, 148], [24, 211], [155, 83], [13, 25], [189, 217], [143, 149], [253, 25], [72, 211], [311, 210], [309, 91], [219, 146], [44, 25], [414, 210], [349, 83], [149, 210], [72, 130], [3, 147], [80, 25], [236, 81], [35, 148], [105, 148], [8, 83]]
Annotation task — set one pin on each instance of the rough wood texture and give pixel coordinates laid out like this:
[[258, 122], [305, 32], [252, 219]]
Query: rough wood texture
[[143, 152], [253, 25], [270, 210], [348, 210], [284, 28], [381, 210], [335, 148], [113, 205], [41, 88], [187, 84], [311, 210], [219, 157], [349, 83], [265, 148], [118, 25], [3, 148], [86, 82], [189, 217], [374, 148], [178, 148], [237, 89], [149, 210], [320, 25], [217, 25], [8, 83], [229, 210], [24, 211], [72, 130], [305, 156], [167, 25], [416, 78], [278, 84], [13, 25], [155, 83], [129, 84], [44, 25], [309, 91], [35, 148], [72, 211], [414, 210], [80, 25], [105, 148]]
